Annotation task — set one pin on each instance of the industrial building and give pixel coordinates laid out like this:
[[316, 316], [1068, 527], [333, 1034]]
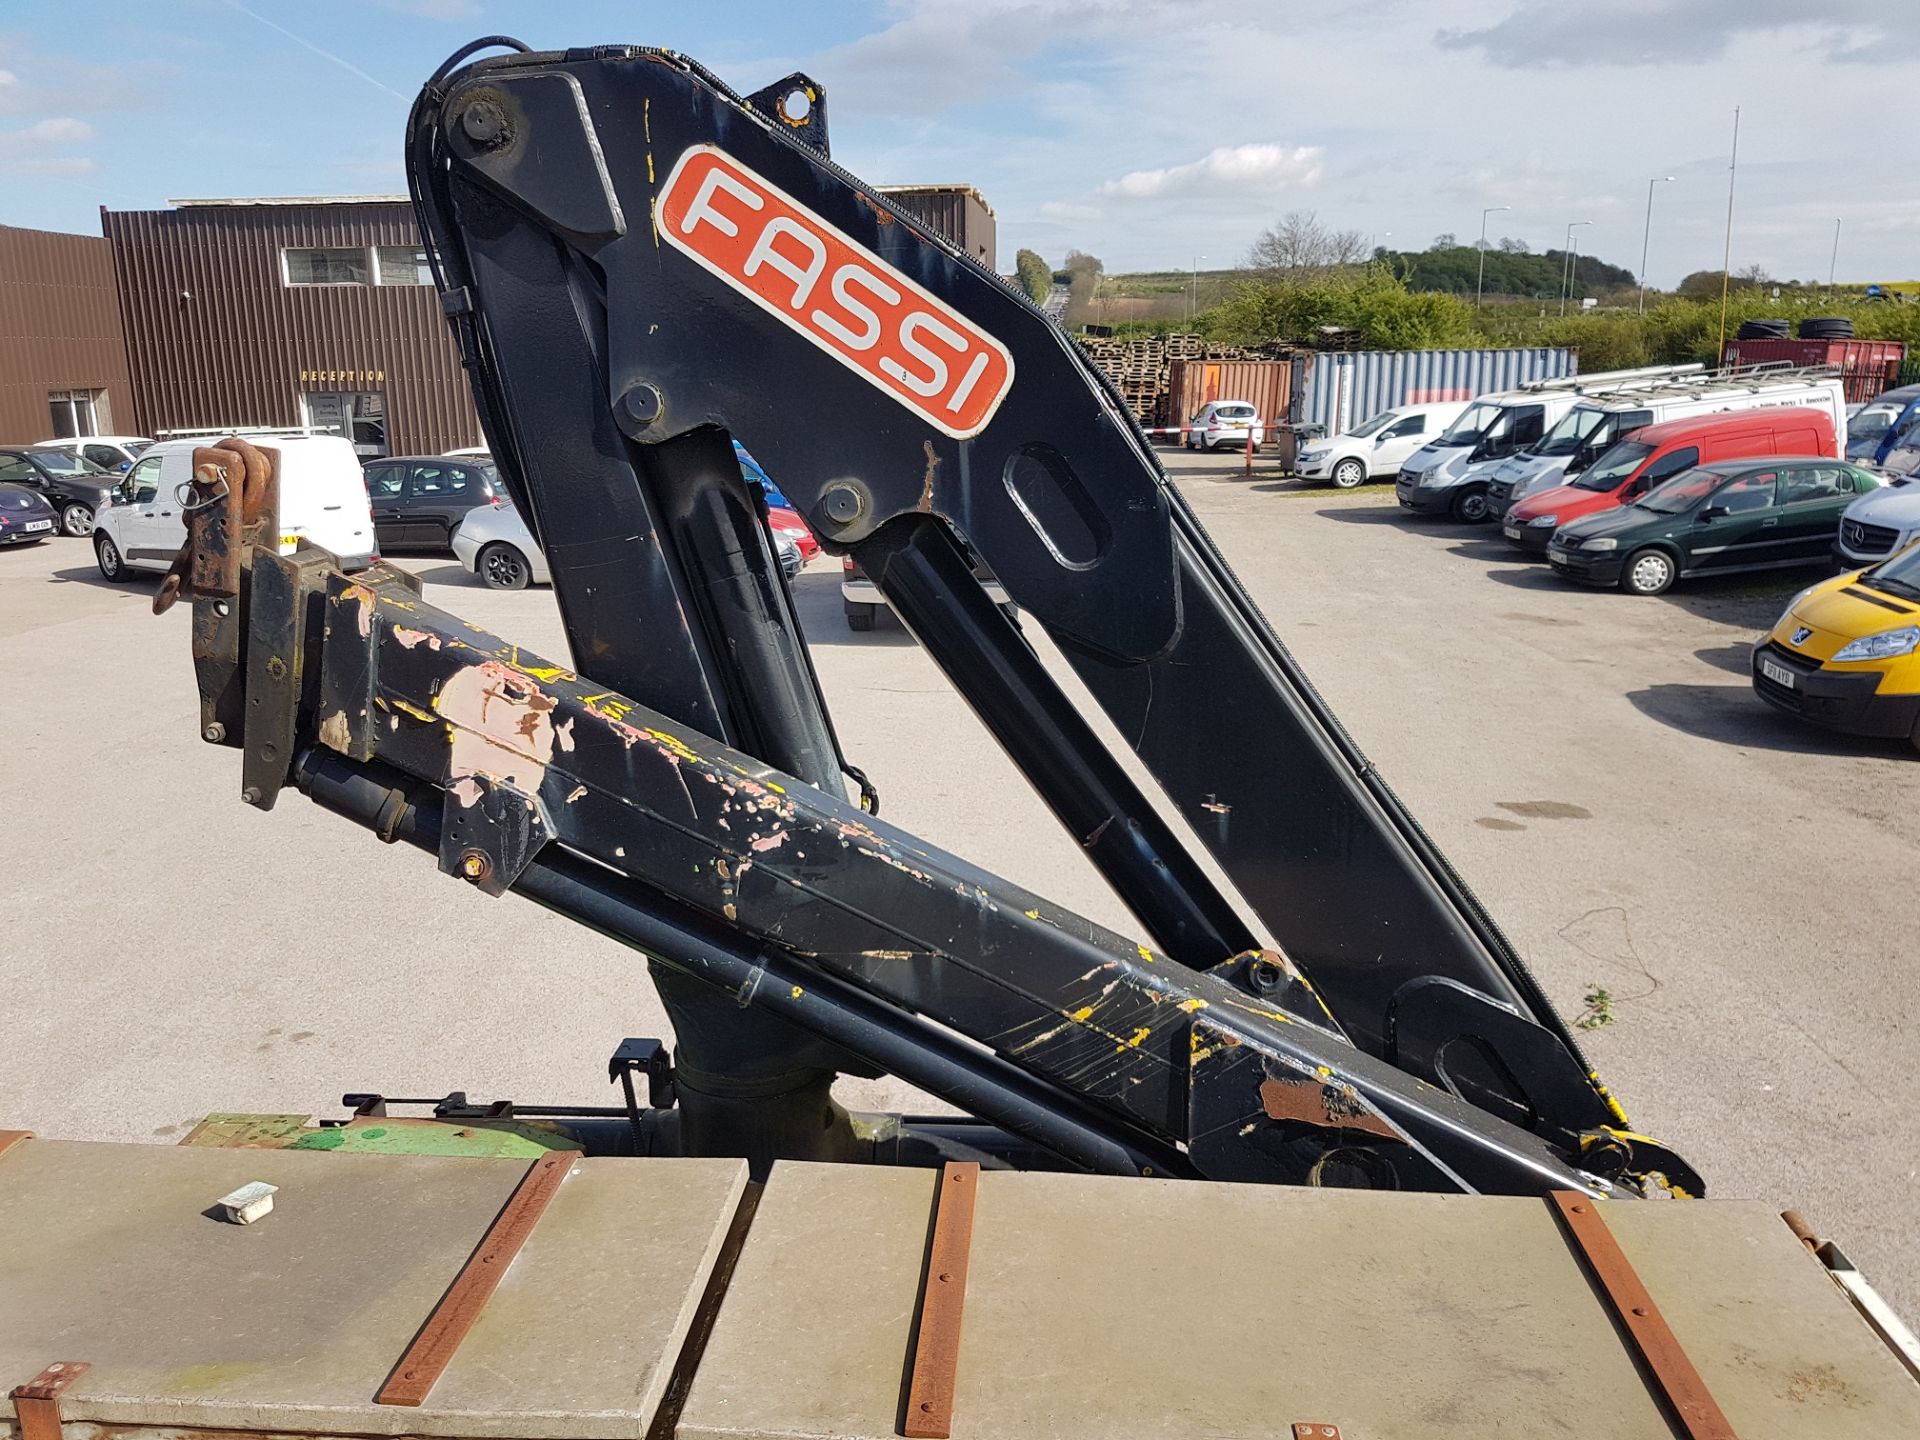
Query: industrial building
[[295, 311], [63, 361]]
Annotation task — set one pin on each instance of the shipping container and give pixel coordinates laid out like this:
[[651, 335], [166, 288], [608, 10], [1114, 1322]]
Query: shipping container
[[1264, 384], [1867, 367], [63, 359], [1338, 391], [958, 212]]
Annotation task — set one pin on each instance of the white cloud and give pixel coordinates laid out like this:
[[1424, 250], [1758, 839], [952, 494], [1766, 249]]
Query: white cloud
[[59, 165], [1556, 35], [60, 130], [7, 77], [1242, 167], [24, 151], [434, 9], [1069, 210]]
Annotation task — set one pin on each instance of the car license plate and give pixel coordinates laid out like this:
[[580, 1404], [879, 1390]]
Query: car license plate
[[33, 525], [1512, 531], [1779, 674], [1555, 552]]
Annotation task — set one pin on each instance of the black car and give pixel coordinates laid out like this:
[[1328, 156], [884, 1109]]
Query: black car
[[419, 500], [25, 516], [72, 484], [1731, 515]]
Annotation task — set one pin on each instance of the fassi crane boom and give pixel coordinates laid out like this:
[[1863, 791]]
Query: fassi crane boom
[[638, 264]]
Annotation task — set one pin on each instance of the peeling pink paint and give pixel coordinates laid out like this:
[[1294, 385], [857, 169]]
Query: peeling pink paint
[[411, 638], [500, 725]]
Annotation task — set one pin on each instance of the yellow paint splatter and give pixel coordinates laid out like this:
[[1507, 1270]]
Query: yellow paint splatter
[[673, 743], [1085, 1012], [1196, 1003], [798, 992]]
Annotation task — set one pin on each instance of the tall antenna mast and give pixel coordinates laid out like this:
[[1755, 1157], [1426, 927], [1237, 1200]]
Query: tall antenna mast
[[1726, 257]]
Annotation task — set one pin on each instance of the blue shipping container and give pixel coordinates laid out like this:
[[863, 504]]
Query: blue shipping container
[[1341, 390]]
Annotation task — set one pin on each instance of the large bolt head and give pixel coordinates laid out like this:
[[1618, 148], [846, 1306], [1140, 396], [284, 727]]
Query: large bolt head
[[484, 123], [843, 504], [642, 406]]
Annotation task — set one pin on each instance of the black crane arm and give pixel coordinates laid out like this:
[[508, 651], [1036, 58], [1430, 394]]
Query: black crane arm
[[639, 266]]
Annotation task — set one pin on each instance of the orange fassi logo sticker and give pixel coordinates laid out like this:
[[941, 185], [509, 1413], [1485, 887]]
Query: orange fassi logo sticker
[[848, 301]]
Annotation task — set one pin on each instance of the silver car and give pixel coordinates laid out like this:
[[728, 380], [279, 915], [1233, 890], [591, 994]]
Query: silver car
[[494, 542]]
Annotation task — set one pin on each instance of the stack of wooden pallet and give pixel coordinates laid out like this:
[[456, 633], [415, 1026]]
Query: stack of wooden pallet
[[1141, 367]]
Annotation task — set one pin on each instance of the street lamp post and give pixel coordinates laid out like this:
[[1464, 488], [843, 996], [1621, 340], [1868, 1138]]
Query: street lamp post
[[1646, 236], [1193, 302], [1566, 283], [1833, 262], [1479, 284]]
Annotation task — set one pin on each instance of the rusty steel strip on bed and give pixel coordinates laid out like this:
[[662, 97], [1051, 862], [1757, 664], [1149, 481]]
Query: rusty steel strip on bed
[[1680, 1383], [433, 1348], [36, 1404], [943, 1299]]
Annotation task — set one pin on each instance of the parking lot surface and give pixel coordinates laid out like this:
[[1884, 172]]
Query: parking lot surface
[[1595, 764]]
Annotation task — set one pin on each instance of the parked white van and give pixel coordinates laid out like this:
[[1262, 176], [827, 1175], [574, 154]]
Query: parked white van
[[1374, 449], [1449, 474], [1584, 432], [323, 499]]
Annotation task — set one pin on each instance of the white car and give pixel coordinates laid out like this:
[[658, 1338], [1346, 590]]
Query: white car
[[109, 452], [494, 542], [472, 452], [1224, 422], [1880, 523], [1375, 449], [323, 499]]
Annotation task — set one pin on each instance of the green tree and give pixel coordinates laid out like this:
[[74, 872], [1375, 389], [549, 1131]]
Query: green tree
[[1084, 273], [1035, 275], [1373, 302]]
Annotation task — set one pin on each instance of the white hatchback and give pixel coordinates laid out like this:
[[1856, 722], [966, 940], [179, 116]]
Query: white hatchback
[[1376, 448], [109, 452], [323, 499], [1224, 422]]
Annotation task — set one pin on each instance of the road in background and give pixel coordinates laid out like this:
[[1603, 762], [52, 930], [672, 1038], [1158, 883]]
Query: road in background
[[1594, 763]]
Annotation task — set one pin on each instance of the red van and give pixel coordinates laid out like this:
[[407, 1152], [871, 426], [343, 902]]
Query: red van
[[1637, 462]]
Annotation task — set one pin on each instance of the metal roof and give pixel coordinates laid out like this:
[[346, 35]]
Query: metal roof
[[937, 190], [266, 200]]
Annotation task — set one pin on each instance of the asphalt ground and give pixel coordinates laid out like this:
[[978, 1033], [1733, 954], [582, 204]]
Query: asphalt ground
[[1595, 764]]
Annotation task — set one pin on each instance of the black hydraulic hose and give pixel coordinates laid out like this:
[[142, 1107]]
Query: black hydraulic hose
[[937, 1061]]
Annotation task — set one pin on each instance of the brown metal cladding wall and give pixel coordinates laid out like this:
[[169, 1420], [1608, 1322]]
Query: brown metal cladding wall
[[955, 211], [233, 353], [59, 330]]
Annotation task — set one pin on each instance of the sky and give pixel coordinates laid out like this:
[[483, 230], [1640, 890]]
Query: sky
[[1155, 134]]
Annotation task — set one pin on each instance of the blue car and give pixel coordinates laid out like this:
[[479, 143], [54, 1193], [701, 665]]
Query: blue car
[[750, 468], [25, 516], [1879, 428]]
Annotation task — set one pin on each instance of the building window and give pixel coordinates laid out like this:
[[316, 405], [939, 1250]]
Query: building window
[[403, 265], [72, 412], [326, 267], [359, 416]]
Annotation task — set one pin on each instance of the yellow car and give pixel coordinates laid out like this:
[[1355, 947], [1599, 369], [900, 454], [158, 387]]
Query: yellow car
[[1846, 654]]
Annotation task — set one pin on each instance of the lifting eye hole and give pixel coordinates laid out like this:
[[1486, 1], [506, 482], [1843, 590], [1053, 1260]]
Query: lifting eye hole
[[1053, 501], [796, 106]]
